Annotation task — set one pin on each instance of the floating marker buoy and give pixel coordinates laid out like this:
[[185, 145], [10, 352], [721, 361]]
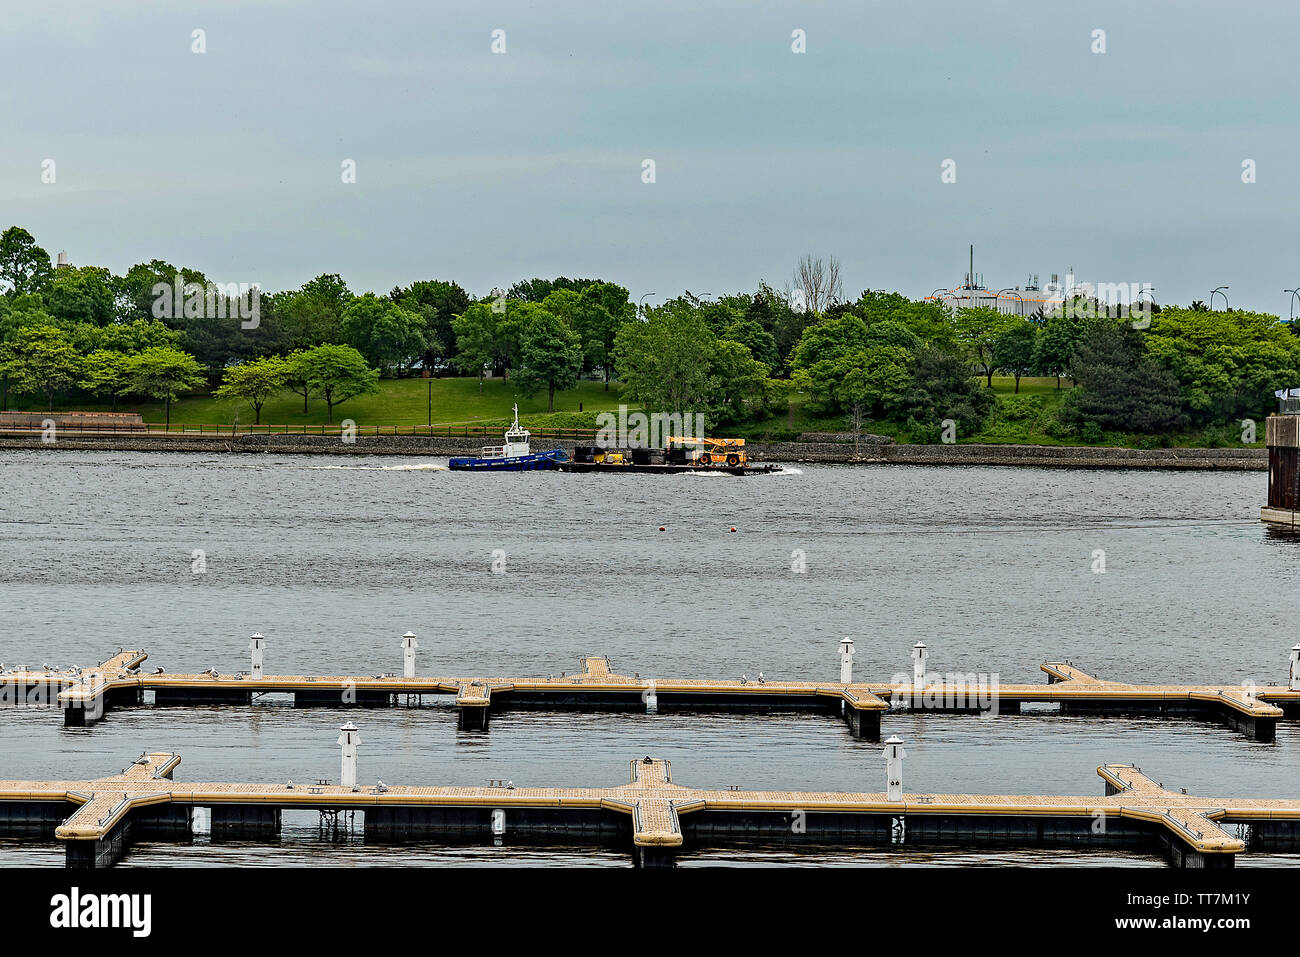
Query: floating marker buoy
[[662, 529], [733, 528]]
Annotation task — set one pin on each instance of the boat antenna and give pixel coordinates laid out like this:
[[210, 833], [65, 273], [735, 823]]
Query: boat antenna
[[516, 415]]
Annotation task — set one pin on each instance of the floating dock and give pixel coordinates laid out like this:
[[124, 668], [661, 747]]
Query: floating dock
[[85, 696], [652, 816]]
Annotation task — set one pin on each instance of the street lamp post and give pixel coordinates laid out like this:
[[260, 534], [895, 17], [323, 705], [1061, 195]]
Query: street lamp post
[[1294, 293], [1219, 290], [1013, 292], [640, 307]]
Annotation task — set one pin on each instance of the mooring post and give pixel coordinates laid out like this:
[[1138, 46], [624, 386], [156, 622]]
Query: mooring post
[[409, 646], [1294, 682], [919, 654], [846, 661], [255, 644], [894, 755], [348, 741]]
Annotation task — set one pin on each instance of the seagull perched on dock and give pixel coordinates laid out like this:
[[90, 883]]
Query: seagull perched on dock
[[761, 679], [744, 679], [290, 784], [159, 670]]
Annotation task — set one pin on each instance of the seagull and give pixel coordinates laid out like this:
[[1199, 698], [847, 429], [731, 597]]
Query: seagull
[[159, 670], [761, 679], [381, 787], [510, 785], [744, 679], [290, 784]]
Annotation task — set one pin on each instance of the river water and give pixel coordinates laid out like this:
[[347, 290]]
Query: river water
[[333, 559]]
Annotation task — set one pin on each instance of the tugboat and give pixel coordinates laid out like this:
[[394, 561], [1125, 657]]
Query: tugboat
[[514, 456]]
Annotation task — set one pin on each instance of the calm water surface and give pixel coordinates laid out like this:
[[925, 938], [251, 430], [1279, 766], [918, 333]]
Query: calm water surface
[[334, 559]]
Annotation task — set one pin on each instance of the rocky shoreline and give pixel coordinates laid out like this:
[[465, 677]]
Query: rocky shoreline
[[871, 453]]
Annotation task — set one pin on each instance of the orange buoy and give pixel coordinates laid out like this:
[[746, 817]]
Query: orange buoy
[[733, 528], [662, 529]]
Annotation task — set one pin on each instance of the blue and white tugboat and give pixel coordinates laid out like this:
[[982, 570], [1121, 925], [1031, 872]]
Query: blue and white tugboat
[[514, 456]]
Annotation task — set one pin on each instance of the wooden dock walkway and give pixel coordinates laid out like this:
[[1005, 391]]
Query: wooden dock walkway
[[652, 815], [86, 695]]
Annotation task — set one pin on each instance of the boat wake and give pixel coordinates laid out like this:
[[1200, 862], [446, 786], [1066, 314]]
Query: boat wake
[[422, 467]]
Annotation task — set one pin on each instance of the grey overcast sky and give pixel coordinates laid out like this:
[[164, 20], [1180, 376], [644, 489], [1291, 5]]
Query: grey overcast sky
[[485, 168]]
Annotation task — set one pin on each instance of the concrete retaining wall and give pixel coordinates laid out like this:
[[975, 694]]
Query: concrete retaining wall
[[1236, 459]]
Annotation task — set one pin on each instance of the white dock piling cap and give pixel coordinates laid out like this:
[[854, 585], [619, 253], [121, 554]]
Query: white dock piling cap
[[847, 641], [256, 636], [919, 644], [1295, 648], [409, 634], [893, 739], [349, 734]]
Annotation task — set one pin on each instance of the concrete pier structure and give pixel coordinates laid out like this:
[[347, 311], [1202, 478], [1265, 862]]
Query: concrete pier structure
[[1282, 437], [652, 816], [861, 704]]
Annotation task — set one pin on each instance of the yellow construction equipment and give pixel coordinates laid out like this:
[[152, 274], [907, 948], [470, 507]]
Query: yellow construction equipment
[[714, 453]]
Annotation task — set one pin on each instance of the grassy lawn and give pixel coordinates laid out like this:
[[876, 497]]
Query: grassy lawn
[[1029, 385], [399, 402]]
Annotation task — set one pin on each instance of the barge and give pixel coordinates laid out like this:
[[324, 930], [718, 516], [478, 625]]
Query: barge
[[681, 455]]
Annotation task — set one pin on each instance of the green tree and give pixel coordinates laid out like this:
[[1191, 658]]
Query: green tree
[[255, 381], [139, 296], [943, 386], [24, 265], [387, 334], [1119, 387], [313, 315], [603, 309], [137, 335], [337, 373], [107, 372], [488, 336], [1058, 339], [1014, 349], [760, 342], [437, 303], [40, 359], [977, 330], [162, 372], [550, 355], [665, 362], [871, 380], [81, 294], [1227, 363], [741, 384], [536, 290]]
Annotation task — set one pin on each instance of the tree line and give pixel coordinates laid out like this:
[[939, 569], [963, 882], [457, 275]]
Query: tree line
[[737, 358]]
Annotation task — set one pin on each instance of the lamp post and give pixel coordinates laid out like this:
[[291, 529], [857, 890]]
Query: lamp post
[[1219, 290], [1294, 293], [1013, 292], [640, 308]]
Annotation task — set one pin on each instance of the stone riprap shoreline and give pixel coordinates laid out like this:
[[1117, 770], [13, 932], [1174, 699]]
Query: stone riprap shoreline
[[867, 452]]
